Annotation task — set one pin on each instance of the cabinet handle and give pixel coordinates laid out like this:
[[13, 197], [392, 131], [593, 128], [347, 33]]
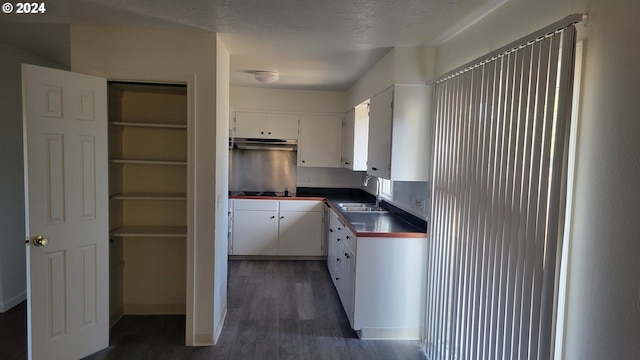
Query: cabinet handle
[[262, 132], [338, 259], [346, 163], [374, 168], [304, 161], [272, 217], [337, 278], [339, 228], [281, 217], [269, 132], [346, 255], [330, 230], [337, 239], [348, 237]]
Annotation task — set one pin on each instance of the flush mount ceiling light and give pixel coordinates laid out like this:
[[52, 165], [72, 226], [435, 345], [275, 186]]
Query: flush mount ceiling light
[[266, 76]]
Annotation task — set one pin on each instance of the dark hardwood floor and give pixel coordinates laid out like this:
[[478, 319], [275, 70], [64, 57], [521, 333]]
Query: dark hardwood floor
[[13, 333], [276, 310]]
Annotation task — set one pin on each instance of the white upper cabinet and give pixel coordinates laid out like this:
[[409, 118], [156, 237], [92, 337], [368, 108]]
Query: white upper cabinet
[[266, 125], [400, 134], [355, 137], [320, 142], [283, 126]]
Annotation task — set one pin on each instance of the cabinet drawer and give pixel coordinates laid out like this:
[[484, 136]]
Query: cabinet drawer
[[301, 205], [258, 205]]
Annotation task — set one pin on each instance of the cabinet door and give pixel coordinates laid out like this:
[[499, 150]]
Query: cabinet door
[[332, 246], [282, 126], [348, 132], [355, 138], [361, 138], [320, 141], [411, 134], [250, 125], [349, 276], [255, 232], [380, 123], [300, 233]]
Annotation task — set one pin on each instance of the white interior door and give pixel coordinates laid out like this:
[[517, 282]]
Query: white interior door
[[66, 194]]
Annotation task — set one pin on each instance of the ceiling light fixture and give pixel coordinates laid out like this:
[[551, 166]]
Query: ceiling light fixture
[[266, 76]]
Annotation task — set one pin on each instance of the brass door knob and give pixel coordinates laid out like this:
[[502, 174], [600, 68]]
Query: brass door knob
[[40, 241]]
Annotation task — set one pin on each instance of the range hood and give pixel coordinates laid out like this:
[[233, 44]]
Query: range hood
[[265, 144]]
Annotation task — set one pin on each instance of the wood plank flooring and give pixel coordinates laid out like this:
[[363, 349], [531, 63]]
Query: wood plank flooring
[[13, 333], [276, 310]]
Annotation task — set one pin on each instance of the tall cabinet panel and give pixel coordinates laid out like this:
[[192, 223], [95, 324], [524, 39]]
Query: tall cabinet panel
[[400, 133], [355, 137], [148, 201]]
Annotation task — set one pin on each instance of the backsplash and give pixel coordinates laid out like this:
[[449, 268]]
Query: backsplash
[[328, 177], [410, 196]]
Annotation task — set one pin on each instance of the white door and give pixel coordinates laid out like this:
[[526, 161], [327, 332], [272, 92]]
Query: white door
[[66, 195]]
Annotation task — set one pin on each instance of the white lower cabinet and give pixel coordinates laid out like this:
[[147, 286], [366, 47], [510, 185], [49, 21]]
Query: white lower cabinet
[[277, 227], [336, 234], [255, 227], [347, 286], [300, 233], [381, 282]]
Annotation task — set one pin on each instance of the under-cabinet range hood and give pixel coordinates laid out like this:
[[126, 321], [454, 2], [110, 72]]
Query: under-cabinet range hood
[[265, 144]]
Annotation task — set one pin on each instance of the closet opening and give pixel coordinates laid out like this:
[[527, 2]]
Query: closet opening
[[148, 147]]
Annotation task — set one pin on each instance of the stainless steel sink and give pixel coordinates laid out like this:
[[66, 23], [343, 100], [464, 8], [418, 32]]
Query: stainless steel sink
[[361, 207]]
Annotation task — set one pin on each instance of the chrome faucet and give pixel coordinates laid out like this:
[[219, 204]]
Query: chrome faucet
[[366, 182]]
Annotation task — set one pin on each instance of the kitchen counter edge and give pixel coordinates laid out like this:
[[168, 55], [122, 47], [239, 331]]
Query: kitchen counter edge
[[416, 234]]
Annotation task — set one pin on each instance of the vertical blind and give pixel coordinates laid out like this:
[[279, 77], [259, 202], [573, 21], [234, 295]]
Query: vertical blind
[[500, 133]]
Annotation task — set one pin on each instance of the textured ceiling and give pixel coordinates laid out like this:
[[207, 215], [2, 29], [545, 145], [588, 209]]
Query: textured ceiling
[[326, 44]]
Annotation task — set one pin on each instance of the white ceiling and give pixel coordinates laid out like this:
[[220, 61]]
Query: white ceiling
[[321, 44]]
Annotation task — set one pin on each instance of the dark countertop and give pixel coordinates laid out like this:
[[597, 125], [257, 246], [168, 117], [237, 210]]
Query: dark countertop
[[395, 223], [373, 224]]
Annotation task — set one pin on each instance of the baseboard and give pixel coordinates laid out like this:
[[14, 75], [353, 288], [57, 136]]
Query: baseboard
[[218, 329], [390, 334], [155, 309], [203, 340], [276, 257], [6, 305], [116, 316]]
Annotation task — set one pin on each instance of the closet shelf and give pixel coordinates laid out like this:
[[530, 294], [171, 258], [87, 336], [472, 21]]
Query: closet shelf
[[149, 196], [148, 162], [149, 231], [149, 125]]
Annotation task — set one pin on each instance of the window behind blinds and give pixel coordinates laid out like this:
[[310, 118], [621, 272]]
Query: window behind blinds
[[497, 199]]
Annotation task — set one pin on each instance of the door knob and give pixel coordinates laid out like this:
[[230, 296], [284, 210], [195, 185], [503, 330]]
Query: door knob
[[40, 241]]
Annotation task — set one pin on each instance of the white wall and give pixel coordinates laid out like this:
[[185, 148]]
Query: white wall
[[265, 99], [12, 225], [603, 316], [399, 66], [222, 185], [137, 54], [299, 101]]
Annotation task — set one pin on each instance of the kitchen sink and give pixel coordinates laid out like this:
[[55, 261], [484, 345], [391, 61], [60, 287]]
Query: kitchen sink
[[361, 207]]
